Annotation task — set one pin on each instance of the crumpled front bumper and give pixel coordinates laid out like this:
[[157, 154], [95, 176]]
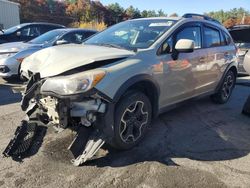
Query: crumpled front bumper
[[91, 116]]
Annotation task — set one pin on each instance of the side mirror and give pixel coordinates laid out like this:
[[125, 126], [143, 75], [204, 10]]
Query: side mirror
[[61, 42], [184, 46], [18, 34]]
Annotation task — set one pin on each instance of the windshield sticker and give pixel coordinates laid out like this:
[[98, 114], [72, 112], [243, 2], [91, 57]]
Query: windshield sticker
[[161, 24]]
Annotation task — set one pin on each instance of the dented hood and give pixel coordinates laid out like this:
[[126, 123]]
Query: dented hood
[[59, 59]]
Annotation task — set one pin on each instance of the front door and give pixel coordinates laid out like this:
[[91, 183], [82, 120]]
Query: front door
[[181, 76]]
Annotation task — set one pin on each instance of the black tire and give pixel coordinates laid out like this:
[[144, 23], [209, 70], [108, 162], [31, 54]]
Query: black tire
[[133, 115], [225, 91]]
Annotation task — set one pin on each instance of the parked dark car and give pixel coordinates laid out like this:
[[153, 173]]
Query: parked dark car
[[26, 31], [241, 37]]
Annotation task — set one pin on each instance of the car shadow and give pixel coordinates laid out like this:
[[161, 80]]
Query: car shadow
[[198, 130], [7, 96]]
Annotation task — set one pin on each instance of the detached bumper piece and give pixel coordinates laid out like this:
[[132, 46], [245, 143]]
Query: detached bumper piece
[[22, 140], [246, 108], [85, 145]]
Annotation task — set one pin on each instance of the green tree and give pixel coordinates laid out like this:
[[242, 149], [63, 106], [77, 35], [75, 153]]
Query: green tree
[[230, 17], [161, 13], [132, 13], [152, 13], [115, 14], [144, 14]]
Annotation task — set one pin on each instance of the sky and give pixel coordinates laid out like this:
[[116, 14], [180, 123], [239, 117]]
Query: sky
[[182, 6]]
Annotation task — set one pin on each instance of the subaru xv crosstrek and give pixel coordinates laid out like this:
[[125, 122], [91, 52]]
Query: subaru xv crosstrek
[[109, 89]]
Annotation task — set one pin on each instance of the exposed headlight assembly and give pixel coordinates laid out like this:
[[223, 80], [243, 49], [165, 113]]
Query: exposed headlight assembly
[[73, 84]]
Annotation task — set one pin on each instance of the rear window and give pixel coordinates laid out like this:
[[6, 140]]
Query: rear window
[[211, 37]]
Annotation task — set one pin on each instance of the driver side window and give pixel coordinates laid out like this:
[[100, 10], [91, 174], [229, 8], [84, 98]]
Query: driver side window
[[191, 33]]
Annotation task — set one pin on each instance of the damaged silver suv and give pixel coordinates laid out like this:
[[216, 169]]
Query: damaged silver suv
[[109, 88]]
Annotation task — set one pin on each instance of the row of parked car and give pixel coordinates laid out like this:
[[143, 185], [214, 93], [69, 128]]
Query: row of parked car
[[118, 80], [21, 41]]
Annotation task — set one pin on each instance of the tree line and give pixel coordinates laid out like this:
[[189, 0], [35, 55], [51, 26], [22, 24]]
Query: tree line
[[232, 17], [77, 12]]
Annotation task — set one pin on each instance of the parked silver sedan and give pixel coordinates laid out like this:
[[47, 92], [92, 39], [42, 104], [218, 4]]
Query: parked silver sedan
[[12, 54]]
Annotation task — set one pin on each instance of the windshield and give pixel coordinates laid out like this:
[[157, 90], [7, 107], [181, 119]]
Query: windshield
[[132, 34], [243, 45], [48, 37]]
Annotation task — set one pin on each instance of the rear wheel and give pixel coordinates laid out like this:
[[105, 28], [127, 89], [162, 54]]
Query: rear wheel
[[132, 118], [225, 91]]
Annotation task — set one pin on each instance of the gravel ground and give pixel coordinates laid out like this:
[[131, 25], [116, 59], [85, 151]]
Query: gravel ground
[[199, 144]]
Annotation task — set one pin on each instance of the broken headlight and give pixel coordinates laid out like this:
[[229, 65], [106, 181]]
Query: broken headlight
[[73, 84]]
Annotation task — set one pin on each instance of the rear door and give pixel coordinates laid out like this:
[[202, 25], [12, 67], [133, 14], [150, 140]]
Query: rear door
[[219, 56]]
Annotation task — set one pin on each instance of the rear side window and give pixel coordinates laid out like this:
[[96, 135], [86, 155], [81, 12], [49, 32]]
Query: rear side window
[[223, 39], [191, 33], [211, 37]]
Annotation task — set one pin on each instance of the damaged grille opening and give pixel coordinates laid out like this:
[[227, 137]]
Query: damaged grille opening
[[93, 65], [79, 113]]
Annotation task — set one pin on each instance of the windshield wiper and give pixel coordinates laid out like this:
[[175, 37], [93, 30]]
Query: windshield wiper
[[117, 46], [111, 45]]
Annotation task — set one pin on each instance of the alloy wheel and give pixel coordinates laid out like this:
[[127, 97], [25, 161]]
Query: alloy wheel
[[133, 120]]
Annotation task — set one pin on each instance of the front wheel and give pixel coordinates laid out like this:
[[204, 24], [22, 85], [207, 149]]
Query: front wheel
[[132, 118], [225, 91]]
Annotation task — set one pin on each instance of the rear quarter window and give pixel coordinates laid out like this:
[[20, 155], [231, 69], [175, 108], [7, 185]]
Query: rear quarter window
[[228, 38]]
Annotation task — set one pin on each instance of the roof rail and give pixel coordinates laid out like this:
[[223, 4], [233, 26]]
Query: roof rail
[[192, 15]]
